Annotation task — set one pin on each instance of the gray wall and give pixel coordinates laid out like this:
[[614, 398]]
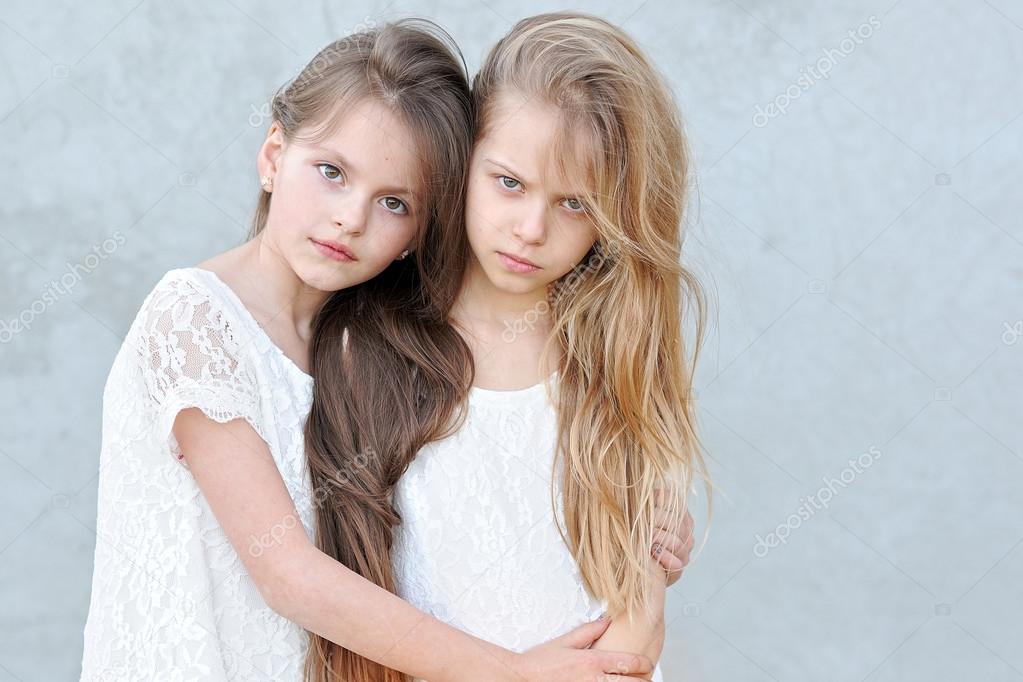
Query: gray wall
[[864, 247]]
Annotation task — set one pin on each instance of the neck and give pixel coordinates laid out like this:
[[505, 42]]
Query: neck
[[480, 302], [282, 293]]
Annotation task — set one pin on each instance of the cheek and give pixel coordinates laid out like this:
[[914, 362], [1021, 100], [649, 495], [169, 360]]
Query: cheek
[[475, 230], [472, 225], [575, 242], [480, 208], [387, 238], [296, 207], [585, 242]]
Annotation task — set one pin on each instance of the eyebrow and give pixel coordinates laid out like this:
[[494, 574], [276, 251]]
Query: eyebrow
[[508, 169], [511, 171], [339, 157]]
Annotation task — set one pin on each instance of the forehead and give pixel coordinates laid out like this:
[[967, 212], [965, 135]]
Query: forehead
[[372, 139], [533, 136]]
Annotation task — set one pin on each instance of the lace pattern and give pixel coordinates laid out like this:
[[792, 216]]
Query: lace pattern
[[479, 546], [171, 599]]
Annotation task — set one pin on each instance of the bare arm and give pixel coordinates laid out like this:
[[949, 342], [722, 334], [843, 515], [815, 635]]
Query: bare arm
[[644, 632], [236, 473]]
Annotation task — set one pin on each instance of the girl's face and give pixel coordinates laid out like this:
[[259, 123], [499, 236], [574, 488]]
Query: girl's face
[[345, 207], [525, 225]]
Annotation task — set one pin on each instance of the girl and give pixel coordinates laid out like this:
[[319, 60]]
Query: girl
[[203, 472], [571, 309]]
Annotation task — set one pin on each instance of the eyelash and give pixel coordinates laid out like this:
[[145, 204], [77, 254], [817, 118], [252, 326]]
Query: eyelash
[[502, 178], [404, 206], [518, 186], [341, 173], [580, 210], [341, 176]]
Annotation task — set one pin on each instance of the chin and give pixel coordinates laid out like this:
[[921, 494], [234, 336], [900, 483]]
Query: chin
[[510, 283], [323, 278]]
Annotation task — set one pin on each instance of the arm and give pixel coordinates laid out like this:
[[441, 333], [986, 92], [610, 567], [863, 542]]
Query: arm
[[236, 473], [644, 632]]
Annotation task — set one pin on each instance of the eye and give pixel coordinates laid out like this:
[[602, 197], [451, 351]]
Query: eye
[[508, 183], [574, 205], [394, 205], [331, 172]]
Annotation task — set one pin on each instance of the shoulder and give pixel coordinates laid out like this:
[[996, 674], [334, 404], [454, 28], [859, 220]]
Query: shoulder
[[190, 312], [186, 298], [183, 285]]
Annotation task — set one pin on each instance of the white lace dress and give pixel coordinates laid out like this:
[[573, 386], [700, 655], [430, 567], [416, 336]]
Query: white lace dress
[[171, 599], [478, 546]]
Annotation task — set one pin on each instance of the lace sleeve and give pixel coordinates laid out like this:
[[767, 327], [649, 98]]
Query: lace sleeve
[[191, 354]]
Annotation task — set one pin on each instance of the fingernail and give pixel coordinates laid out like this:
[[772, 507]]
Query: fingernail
[[603, 616]]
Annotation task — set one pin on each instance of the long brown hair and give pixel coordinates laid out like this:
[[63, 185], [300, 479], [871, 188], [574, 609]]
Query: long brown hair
[[626, 415], [389, 370]]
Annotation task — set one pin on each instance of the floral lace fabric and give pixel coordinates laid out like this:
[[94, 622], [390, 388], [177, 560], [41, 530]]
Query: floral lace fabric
[[171, 599]]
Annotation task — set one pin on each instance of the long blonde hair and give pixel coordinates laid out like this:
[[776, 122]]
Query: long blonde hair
[[626, 415]]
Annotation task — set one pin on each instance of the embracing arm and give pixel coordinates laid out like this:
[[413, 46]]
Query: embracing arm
[[673, 544], [644, 632], [235, 471]]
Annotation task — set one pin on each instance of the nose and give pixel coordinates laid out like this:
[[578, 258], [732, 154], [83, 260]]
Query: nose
[[531, 228], [350, 215]]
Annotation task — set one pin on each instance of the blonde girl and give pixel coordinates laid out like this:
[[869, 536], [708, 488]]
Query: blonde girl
[[537, 510], [205, 567]]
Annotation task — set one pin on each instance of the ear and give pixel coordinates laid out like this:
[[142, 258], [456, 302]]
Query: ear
[[270, 152]]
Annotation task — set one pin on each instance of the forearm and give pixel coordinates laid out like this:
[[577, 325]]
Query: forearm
[[324, 597], [234, 467], [644, 632]]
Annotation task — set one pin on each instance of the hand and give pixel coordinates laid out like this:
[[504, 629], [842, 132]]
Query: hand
[[672, 546], [568, 659]]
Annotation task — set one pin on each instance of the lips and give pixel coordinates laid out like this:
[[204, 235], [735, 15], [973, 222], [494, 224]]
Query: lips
[[334, 250], [517, 263]]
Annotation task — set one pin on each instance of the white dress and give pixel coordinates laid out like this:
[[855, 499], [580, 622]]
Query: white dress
[[478, 547], [171, 599]]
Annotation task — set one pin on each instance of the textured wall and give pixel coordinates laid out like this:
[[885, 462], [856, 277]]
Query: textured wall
[[857, 215]]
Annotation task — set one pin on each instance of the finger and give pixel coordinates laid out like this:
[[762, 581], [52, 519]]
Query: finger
[[672, 577], [668, 542], [666, 522], [687, 523], [678, 542], [673, 567], [583, 636], [670, 560], [685, 551]]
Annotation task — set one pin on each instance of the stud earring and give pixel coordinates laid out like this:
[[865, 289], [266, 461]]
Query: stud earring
[[403, 255], [267, 183]]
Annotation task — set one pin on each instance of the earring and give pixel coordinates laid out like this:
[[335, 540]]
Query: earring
[[267, 183], [403, 255]]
